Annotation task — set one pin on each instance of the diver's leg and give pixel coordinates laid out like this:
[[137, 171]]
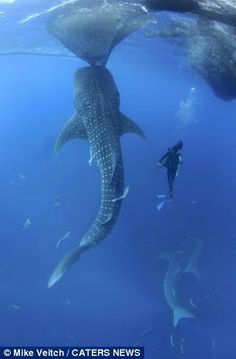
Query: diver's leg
[[171, 177]]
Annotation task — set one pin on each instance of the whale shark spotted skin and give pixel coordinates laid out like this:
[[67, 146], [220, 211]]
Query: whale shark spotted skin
[[182, 261], [98, 119]]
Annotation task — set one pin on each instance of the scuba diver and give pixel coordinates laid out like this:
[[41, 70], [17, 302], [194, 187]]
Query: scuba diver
[[172, 161]]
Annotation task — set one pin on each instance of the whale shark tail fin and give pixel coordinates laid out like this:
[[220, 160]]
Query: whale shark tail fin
[[180, 313], [92, 34], [64, 265], [73, 129]]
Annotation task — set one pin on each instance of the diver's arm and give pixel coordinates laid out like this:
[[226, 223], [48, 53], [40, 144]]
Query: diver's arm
[[180, 163], [161, 160]]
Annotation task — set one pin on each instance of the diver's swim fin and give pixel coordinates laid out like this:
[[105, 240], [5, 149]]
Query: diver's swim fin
[[166, 199], [161, 196], [161, 205]]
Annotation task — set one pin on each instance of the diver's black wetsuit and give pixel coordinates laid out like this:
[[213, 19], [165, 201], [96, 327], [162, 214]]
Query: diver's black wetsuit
[[172, 160]]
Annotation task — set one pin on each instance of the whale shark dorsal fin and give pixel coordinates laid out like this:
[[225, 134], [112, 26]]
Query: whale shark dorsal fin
[[128, 126], [194, 270], [73, 129]]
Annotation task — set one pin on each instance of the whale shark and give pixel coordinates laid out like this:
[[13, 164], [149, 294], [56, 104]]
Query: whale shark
[[209, 48], [180, 262], [217, 10], [98, 120], [211, 52]]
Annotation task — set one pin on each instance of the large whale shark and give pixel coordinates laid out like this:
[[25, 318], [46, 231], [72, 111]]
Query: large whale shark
[[210, 50], [180, 262], [207, 37], [98, 119], [218, 10]]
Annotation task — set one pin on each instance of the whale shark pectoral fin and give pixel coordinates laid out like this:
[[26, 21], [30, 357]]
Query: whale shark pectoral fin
[[194, 270], [128, 126], [179, 313], [64, 265], [73, 129]]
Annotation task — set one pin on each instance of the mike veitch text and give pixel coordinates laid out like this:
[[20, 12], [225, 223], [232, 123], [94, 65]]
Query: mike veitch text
[[73, 352]]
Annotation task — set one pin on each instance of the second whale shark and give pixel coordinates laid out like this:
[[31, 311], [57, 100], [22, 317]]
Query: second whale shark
[[98, 119], [184, 260]]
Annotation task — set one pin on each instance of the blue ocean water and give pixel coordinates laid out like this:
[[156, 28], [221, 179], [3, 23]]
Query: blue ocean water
[[114, 294]]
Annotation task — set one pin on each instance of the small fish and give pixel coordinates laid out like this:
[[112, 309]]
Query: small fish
[[92, 156], [126, 191], [182, 346], [172, 340], [14, 307], [7, 1], [191, 302], [145, 331], [56, 204], [67, 235], [213, 346], [22, 176], [27, 223]]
